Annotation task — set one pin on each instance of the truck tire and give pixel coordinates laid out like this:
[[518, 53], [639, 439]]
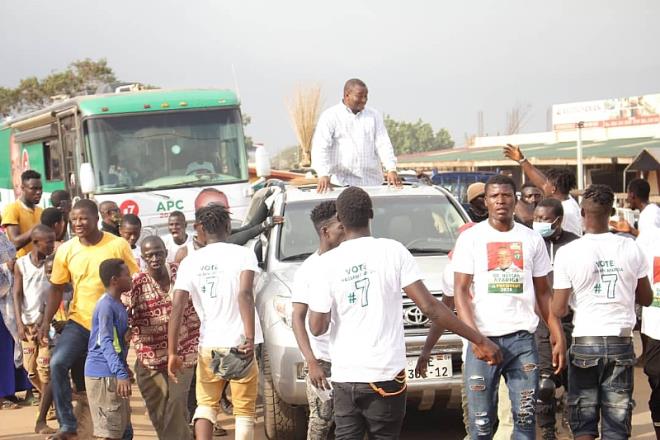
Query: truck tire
[[281, 420]]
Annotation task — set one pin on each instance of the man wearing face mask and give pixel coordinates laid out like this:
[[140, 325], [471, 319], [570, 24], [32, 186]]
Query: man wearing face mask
[[548, 217]]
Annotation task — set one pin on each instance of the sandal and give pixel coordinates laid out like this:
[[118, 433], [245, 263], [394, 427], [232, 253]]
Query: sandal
[[52, 415], [219, 431], [45, 430], [8, 404]]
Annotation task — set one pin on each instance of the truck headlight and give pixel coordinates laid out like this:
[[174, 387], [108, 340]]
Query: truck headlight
[[284, 309]]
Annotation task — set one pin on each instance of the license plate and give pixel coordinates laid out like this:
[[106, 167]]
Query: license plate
[[439, 366]]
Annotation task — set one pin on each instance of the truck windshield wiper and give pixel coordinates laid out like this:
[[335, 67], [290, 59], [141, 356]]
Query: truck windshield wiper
[[295, 257]]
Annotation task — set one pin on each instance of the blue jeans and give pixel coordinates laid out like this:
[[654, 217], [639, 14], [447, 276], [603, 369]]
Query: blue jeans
[[600, 381], [71, 349], [521, 372]]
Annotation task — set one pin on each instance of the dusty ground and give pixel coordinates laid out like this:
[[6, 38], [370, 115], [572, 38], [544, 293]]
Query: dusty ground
[[446, 424]]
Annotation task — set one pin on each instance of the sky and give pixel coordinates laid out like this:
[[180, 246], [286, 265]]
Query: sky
[[440, 61]]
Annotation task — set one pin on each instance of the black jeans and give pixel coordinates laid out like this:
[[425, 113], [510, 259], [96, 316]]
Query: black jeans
[[652, 370], [359, 410], [546, 408]]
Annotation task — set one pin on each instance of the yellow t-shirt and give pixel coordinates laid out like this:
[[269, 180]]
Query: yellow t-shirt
[[16, 213], [79, 265]]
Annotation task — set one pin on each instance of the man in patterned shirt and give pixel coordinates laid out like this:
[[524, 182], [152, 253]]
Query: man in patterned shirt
[[149, 308], [350, 146]]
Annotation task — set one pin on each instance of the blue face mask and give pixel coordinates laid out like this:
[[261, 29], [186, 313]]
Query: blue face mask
[[545, 229]]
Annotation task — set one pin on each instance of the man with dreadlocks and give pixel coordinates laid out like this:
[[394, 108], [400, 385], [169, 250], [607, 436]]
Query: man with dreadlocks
[[602, 275], [220, 278], [556, 183]]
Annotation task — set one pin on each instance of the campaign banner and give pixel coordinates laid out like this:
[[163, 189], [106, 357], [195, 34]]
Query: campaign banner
[[605, 113]]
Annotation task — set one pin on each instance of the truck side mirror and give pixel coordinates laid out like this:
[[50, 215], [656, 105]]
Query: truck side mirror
[[86, 177]]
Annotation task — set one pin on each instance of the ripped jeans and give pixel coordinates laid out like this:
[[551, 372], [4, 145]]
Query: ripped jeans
[[521, 372], [600, 382]]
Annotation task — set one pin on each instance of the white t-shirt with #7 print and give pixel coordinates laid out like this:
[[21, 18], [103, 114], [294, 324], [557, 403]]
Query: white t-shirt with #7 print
[[503, 265], [602, 270], [211, 275], [361, 285], [302, 291]]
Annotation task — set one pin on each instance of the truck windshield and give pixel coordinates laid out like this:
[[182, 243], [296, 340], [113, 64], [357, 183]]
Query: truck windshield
[[426, 225], [141, 152]]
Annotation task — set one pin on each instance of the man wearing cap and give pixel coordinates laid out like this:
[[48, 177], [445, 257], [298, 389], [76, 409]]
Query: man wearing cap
[[350, 144], [476, 204]]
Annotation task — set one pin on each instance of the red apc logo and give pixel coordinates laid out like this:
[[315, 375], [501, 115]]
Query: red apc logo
[[129, 207], [25, 160]]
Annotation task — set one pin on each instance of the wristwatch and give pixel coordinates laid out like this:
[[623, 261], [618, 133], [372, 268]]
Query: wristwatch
[[522, 160], [268, 223]]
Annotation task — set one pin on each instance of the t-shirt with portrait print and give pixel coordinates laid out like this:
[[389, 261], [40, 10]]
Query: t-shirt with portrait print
[[503, 266], [647, 241]]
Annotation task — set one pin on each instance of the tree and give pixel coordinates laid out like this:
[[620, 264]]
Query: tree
[[81, 77], [517, 118], [414, 137], [287, 159], [249, 143]]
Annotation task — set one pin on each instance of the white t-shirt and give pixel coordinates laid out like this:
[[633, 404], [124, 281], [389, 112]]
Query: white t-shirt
[[172, 247], [361, 285], [35, 289], [446, 282], [211, 275], [648, 241], [302, 290], [602, 270], [137, 254], [649, 218], [572, 221], [503, 265]]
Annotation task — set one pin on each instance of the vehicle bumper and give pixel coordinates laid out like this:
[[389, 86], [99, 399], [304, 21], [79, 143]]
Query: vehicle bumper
[[423, 393], [286, 364]]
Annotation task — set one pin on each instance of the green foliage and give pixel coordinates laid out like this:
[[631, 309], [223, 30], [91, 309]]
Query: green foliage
[[415, 137], [81, 77], [246, 121], [286, 159]]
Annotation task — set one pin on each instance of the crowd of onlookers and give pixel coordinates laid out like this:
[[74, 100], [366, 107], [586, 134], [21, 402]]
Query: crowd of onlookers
[[544, 292]]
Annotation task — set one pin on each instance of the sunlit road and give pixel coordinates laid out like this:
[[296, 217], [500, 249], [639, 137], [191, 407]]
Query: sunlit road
[[438, 424]]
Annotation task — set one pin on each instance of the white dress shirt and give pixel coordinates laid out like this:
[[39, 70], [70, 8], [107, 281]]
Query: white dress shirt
[[351, 147]]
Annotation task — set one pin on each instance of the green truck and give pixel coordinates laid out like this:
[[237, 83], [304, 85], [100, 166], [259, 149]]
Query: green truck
[[150, 151]]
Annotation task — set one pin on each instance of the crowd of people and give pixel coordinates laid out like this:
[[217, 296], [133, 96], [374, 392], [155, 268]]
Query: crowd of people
[[544, 292]]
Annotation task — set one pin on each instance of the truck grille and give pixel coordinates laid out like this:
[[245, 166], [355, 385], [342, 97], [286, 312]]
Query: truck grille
[[413, 318]]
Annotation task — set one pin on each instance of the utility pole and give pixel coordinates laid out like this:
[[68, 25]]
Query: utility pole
[[580, 165], [480, 123]]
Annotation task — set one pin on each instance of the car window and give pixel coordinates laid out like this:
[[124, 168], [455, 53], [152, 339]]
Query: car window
[[424, 224]]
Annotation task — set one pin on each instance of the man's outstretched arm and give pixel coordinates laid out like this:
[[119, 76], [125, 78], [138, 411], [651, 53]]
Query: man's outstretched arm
[[533, 174], [440, 314]]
